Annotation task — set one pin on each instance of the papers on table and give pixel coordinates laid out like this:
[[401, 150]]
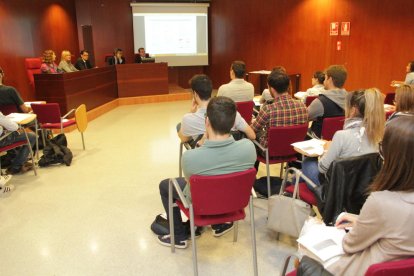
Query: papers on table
[[313, 147], [324, 242], [264, 72], [28, 104], [19, 117], [300, 95], [256, 100]]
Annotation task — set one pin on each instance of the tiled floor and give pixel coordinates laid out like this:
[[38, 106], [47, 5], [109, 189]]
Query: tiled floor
[[93, 217]]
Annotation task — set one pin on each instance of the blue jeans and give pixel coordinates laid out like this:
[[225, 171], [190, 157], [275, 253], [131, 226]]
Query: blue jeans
[[23, 151], [310, 169]]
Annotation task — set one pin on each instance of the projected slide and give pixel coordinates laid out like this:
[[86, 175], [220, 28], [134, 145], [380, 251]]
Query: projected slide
[[176, 33], [171, 34]]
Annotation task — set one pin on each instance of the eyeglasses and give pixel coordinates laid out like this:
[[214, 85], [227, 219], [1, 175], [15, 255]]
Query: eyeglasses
[[381, 153]]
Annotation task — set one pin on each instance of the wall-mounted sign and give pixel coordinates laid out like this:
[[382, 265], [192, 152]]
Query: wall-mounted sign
[[338, 45], [345, 28], [334, 28]]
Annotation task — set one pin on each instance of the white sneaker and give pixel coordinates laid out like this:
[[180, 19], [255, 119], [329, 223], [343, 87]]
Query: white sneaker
[[6, 190], [4, 179]]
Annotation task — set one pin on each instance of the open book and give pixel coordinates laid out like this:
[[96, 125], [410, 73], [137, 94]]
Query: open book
[[324, 242], [19, 117], [313, 147]]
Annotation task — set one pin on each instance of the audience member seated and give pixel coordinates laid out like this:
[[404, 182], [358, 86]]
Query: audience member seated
[[331, 102], [118, 57], [19, 164], [404, 102], [267, 97], [220, 154], [10, 96], [141, 55], [49, 66], [65, 65], [193, 123], [383, 230], [237, 89], [363, 129], [409, 78], [284, 111], [317, 82], [83, 62]]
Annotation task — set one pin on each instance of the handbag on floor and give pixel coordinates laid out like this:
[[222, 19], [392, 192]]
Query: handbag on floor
[[288, 214]]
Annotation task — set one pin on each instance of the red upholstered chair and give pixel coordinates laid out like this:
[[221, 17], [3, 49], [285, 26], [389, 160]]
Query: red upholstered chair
[[216, 199], [32, 67], [330, 126], [48, 117], [309, 100], [394, 268], [279, 148], [246, 110], [389, 98], [7, 109]]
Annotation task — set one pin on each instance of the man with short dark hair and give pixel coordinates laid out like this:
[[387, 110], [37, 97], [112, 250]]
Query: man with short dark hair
[[237, 89], [141, 55], [330, 103], [220, 154], [118, 57], [284, 111], [10, 96], [193, 123], [83, 62]]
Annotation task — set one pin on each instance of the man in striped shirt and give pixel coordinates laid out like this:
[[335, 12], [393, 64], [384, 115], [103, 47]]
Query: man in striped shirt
[[284, 111]]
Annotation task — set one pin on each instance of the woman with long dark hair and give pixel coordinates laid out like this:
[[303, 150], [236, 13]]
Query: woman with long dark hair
[[384, 229]]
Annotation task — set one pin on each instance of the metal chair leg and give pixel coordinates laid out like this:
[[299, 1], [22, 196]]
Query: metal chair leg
[[193, 241], [171, 216], [253, 236], [83, 141], [180, 172], [236, 231], [31, 151]]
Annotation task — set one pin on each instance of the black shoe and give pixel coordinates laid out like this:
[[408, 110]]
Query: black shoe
[[221, 229], [161, 227], [166, 241]]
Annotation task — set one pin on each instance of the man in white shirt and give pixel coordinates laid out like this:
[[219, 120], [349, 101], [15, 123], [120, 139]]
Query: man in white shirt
[[193, 123], [237, 89]]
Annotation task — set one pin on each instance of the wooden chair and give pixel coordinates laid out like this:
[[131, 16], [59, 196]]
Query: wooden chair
[[81, 121]]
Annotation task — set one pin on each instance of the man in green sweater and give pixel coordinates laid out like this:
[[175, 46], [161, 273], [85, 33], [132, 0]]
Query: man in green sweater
[[220, 154]]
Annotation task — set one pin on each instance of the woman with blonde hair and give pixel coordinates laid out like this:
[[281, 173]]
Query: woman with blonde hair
[[49, 66], [363, 129], [65, 64], [404, 102]]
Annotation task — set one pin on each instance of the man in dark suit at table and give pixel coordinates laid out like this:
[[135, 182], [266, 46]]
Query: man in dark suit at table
[[141, 55], [118, 57], [83, 62]]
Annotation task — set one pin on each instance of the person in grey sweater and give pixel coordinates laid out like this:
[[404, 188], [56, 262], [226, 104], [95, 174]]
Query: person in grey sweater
[[363, 130], [330, 103]]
